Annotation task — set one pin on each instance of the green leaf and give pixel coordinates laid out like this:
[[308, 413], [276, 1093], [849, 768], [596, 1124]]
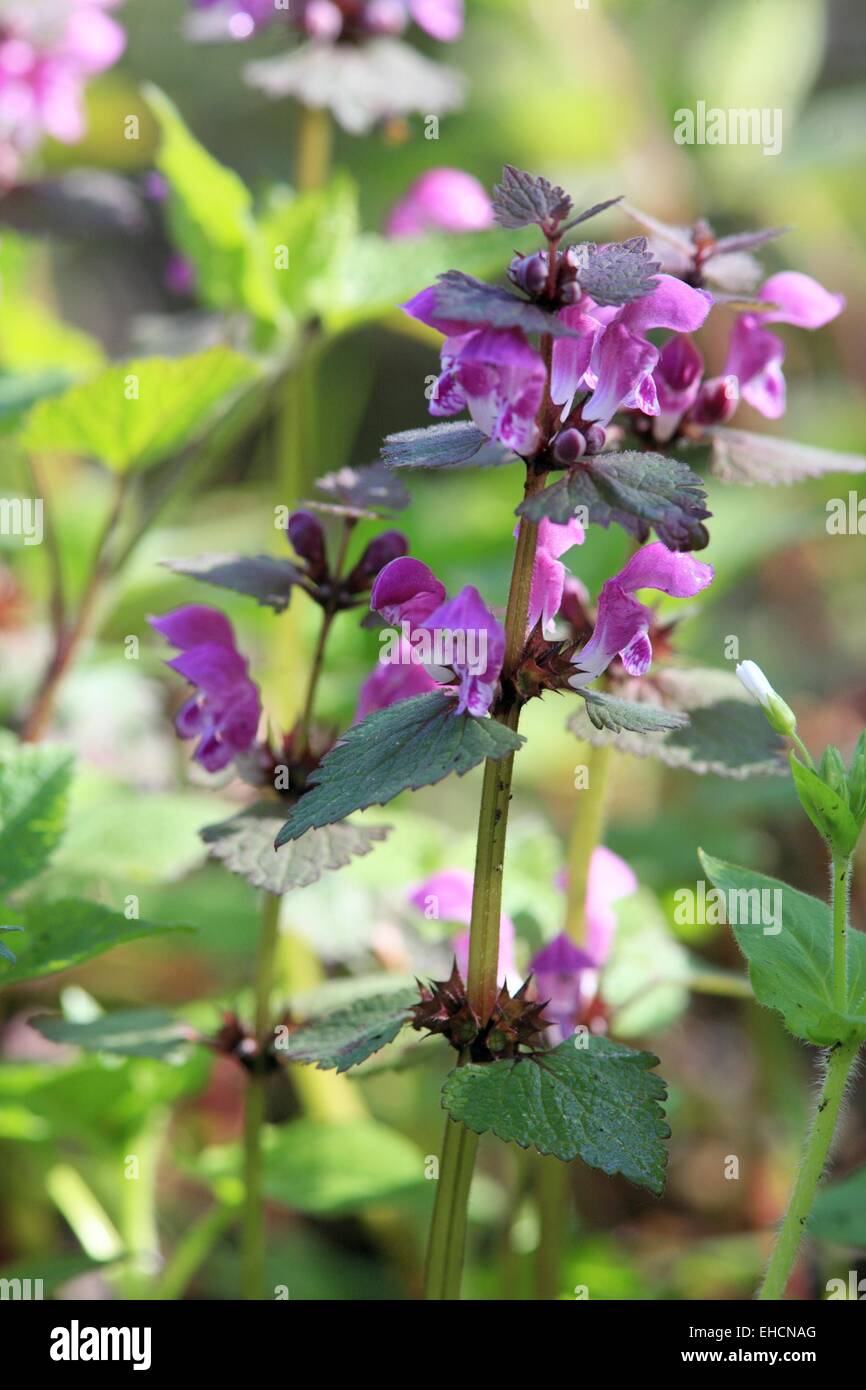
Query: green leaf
[[613, 715], [136, 414], [211, 219], [34, 782], [129, 1032], [58, 935], [116, 835], [265, 578], [839, 1212], [826, 809], [599, 1102], [636, 490], [645, 980], [409, 745], [452, 445], [327, 1168], [741, 457], [791, 969], [349, 1036], [245, 844], [305, 236], [725, 734]]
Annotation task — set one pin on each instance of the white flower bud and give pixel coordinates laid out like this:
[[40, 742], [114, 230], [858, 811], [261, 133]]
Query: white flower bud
[[779, 715]]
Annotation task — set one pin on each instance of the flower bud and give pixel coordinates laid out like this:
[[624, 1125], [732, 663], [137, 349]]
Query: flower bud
[[568, 446], [857, 780], [596, 438], [530, 273], [379, 553], [307, 537], [717, 401], [779, 715], [832, 771]]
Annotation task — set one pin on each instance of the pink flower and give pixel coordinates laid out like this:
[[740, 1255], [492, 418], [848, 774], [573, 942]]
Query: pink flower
[[48, 48], [224, 713], [611, 358], [446, 199], [567, 974], [479, 648], [677, 379], [406, 590], [755, 355], [390, 682], [548, 573], [447, 896], [622, 623]]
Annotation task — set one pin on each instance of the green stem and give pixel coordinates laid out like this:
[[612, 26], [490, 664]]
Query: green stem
[[315, 138], [840, 869], [807, 756], [448, 1230], [585, 837], [191, 1251], [551, 1191], [328, 615], [253, 1229], [814, 1159]]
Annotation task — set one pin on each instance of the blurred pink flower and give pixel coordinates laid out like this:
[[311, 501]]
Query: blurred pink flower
[[447, 896], [446, 199]]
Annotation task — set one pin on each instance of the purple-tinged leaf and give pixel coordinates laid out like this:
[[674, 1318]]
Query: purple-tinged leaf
[[592, 212], [460, 296], [453, 445], [521, 200], [263, 577], [742, 457], [618, 272], [744, 241], [369, 489]]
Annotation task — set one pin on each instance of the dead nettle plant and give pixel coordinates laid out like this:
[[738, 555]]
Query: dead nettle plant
[[556, 371]]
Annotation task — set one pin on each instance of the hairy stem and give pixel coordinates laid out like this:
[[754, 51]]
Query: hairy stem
[[586, 835], [815, 1155], [448, 1230], [253, 1229], [840, 869], [69, 638]]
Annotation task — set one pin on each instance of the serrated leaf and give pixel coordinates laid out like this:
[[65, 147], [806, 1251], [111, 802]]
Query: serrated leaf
[[791, 969], [726, 733], [67, 932], [34, 782], [461, 296], [592, 212], [265, 578], [607, 712], [349, 1036], [175, 399], [634, 489], [826, 809], [618, 272], [412, 744], [370, 489], [211, 219], [245, 844], [454, 445], [521, 199], [128, 1032], [839, 1211], [599, 1102], [738, 456]]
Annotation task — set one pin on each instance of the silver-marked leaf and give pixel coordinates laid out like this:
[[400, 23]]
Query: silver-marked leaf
[[67, 932], [634, 489], [615, 716], [128, 1032], [742, 457], [460, 296], [34, 782], [522, 200], [263, 577], [589, 1098], [245, 844], [412, 744], [725, 734], [349, 1036], [618, 272], [370, 489], [453, 445], [787, 938]]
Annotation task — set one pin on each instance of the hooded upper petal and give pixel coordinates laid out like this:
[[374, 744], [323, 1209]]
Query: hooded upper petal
[[477, 647], [548, 571], [406, 590], [801, 300], [621, 362]]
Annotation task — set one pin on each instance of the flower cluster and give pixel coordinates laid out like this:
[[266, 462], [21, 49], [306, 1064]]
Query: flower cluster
[[330, 20], [48, 49]]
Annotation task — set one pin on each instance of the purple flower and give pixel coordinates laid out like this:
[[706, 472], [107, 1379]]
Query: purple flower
[[677, 379], [548, 572], [492, 372], [622, 623], [567, 974], [475, 650], [441, 19], [755, 355], [449, 199], [447, 896], [327, 21], [224, 713], [47, 52], [460, 634], [612, 358], [390, 682]]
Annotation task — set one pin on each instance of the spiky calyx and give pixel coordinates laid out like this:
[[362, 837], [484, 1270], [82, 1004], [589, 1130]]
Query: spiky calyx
[[515, 1022]]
